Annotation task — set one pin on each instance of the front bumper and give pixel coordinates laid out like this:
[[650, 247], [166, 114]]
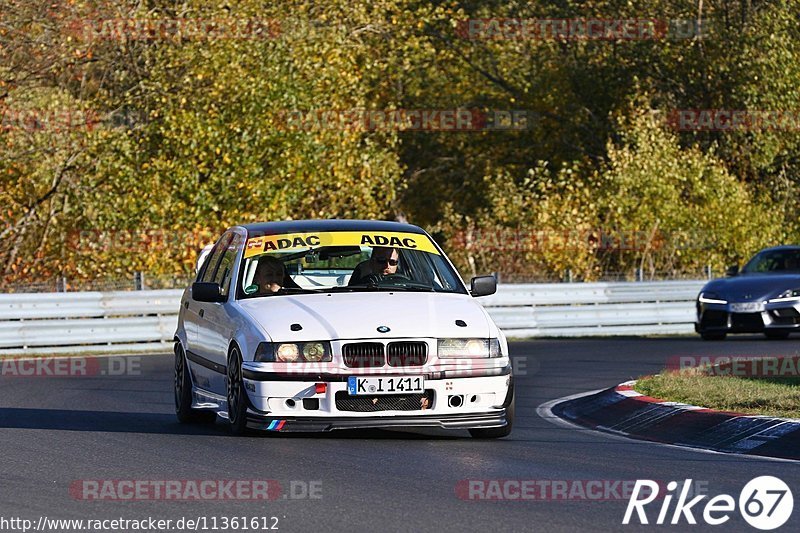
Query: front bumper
[[292, 403], [309, 424], [712, 318]]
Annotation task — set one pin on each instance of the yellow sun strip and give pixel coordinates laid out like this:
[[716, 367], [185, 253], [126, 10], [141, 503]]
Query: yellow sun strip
[[298, 241]]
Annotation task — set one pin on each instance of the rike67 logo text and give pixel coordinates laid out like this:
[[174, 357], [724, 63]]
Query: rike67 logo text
[[765, 503]]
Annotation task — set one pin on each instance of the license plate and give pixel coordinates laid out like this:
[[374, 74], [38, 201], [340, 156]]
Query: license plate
[[387, 385], [746, 307]]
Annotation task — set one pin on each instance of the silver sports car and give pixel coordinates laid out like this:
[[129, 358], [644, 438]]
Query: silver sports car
[[764, 297]]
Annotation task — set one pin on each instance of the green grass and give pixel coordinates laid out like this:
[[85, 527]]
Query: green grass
[[767, 396]]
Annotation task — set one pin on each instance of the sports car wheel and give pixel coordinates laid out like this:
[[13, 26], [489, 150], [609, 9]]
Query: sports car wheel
[[183, 392], [237, 399], [496, 433]]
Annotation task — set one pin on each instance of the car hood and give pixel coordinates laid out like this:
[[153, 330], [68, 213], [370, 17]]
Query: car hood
[[357, 315], [752, 287]]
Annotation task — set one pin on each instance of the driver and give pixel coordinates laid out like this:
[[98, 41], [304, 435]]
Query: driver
[[383, 262]]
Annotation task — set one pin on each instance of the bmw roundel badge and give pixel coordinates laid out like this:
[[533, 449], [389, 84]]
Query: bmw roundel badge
[[383, 329]]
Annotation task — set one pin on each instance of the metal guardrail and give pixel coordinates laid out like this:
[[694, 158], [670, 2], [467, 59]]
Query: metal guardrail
[[107, 322], [594, 309], [138, 321]]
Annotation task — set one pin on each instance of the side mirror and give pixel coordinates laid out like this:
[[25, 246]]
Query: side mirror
[[207, 292], [483, 286], [732, 271]]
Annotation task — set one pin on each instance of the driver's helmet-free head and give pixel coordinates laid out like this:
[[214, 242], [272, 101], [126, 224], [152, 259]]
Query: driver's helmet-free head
[[384, 260]]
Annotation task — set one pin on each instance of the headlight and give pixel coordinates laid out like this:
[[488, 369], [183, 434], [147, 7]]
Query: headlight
[[469, 348], [792, 295], [314, 351], [287, 353], [291, 352], [710, 298]]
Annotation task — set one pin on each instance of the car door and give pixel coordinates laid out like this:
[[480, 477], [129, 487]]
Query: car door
[[202, 369], [214, 322], [191, 317]]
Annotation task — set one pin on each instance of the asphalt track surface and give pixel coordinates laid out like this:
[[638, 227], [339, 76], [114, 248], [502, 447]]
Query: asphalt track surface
[[54, 431]]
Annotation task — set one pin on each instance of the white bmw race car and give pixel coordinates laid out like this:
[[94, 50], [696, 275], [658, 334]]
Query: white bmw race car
[[330, 324]]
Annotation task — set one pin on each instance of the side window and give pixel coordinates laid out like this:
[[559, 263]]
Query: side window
[[225, 268], [212, 262]]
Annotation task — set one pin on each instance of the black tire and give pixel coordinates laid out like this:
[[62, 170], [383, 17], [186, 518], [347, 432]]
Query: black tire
[[183, 393], [499, 432], [777, 335], [237, 396], [713, 336]]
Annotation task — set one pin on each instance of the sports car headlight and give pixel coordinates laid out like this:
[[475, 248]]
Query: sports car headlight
[[710, 298], [469, 348], [792, 295], [291, 352]]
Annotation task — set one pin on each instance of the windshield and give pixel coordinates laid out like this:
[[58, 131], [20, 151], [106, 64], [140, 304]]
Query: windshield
[[774, 261], [344, 262]]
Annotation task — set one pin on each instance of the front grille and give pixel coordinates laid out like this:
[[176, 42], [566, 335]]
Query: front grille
[[407, 353], [747, 322], [363, 354], [715, 319], [389, 402]]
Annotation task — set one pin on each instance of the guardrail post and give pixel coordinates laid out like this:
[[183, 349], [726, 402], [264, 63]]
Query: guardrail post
[[568, 275], [61, 284], [138, 281], [639, 274], [707, 271], [496, 277]]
